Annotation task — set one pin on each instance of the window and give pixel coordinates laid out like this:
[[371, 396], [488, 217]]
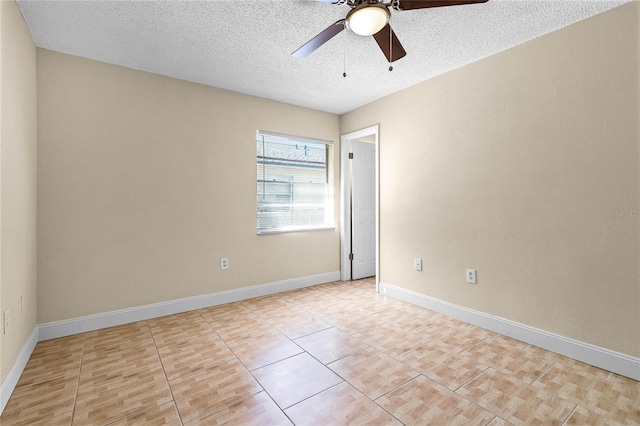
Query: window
[[294, 184]]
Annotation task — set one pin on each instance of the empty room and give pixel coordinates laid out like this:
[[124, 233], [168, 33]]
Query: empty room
[[319, 212]]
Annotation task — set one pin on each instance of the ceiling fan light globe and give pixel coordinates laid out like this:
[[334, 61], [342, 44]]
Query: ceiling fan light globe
[[368, 20]]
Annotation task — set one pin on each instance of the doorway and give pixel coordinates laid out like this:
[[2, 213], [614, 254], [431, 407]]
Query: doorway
[[359, 206]]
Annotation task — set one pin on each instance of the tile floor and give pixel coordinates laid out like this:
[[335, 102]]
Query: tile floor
[[333, 354]]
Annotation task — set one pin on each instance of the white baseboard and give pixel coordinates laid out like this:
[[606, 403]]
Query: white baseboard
[[53, 330], [72, 326], [10, 382], [607, 359]]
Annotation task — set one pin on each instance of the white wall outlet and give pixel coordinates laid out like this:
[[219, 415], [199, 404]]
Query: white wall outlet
[[5, 321], [417, 264], [224, 263], [471, 276]]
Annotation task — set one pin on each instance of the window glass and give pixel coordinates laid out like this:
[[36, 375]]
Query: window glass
[[293, 184]]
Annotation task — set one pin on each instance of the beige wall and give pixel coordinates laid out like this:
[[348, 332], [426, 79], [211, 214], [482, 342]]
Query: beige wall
[[509, 166], [145, 182], [18, 133]]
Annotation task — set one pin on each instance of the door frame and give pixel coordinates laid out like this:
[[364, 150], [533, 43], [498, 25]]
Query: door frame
[[345, 199]]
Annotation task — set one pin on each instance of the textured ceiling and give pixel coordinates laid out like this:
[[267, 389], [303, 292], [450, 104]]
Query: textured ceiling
[[245, 46]]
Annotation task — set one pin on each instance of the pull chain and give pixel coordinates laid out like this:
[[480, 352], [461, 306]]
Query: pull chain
[[344, 55], [390, 49]]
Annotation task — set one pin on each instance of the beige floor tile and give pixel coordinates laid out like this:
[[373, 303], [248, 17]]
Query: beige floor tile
[[301, 296], [279, 312], [254, 410], [406, 319], [121, 397], [169, 322], [41, 402], [188, 358], [514, 400], [461, 325], [256, 352], [616, 399], [372, 372], [162, 415], [499, 421], [48, 365], [391, 340], [243, 328], [293, 379], [422, 401], [339, 405], [375, 304], [330, 345], [453, 337], [98, 367], [448, 368], [212, 389], [581, 416], [491, 351], [299, 325], [624, 382], [279, 308], [116, 337], [436, 317], [324, 307], [181, 334], [364, 284], [58, 420], [545, 353], [273, 302], [582, 368], [264, 301], [222, 313], [511, 357], [70, 343], [353, 322]]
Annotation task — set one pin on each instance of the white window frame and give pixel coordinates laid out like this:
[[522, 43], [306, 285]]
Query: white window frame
[[329, 219]]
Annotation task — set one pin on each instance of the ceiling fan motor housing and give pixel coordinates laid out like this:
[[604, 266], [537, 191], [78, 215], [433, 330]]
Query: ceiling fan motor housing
[[368, 18]]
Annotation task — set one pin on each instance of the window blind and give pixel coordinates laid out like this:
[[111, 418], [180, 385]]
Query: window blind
[[293, 191]]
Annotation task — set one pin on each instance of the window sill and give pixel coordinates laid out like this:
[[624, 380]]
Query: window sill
[[288, 231]]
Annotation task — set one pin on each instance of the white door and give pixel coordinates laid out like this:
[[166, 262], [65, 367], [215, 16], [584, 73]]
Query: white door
[[363, 210]]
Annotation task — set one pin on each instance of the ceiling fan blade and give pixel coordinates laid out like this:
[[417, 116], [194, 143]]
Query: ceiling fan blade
[[326, 35], [389, 44], [425, 4]]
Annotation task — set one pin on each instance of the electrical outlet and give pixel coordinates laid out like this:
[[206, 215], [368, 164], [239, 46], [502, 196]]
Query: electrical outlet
[[417, 264], [224, 263], [5, 321], [471, 276]]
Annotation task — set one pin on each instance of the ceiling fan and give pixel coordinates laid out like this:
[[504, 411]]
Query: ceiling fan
[[371, 17]]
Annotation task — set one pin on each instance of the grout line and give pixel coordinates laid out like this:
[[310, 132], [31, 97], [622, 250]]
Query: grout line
[[543, 373], [400, 385], [472, 378], [310, 396], [75, 398], [471, 346], [474, 345], [173, 399], [482, 406], [569, 416]]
